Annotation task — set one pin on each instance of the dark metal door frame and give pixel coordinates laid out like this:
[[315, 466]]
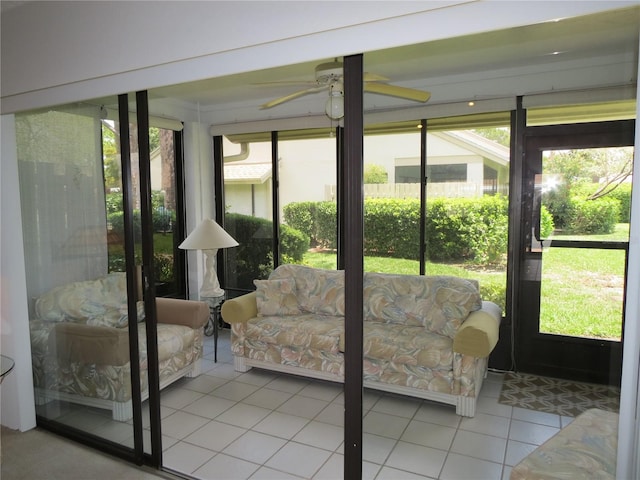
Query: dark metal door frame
[[593, 360]]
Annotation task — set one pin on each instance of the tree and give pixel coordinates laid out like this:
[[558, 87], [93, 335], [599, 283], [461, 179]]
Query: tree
[[586, 174], [167, 157], [375, 174], [499, 135], [110, 151], [608, 167], [616, 167]]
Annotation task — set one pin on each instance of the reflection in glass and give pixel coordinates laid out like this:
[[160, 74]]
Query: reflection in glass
[[80, 380]]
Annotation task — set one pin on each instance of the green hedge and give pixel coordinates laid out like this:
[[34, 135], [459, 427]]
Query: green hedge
[[567, 206], [461, 230], [471, 230], [317, 220], [253, 257], [598, 216]]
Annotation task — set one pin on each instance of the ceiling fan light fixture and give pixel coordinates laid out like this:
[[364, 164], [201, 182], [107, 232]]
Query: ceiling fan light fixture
[[334, 108]]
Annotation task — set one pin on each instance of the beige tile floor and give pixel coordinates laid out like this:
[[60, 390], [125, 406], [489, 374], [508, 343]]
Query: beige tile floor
[[264, 425], [226, 425]]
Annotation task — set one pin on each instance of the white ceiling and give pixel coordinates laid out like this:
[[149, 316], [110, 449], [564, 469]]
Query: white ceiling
[[593, 51]]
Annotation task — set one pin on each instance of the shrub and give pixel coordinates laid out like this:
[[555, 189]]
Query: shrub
[[546, 222], [253, 257], [113, 202], [391, 227], [116, 220], [623, 195], [317, 220], [293, 244], [594, 216], [326, 228], [163, 265], [375, 174], [163, 219], [472, 230], [301, 216], [494, 291], [559, 204]]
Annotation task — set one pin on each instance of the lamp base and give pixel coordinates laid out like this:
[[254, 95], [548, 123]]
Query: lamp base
[[210, 284], [211, 293]]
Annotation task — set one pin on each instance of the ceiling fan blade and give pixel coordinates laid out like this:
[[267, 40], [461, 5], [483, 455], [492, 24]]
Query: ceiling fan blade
[[395, 91], [373, 77], [286, 82], [291, 96]]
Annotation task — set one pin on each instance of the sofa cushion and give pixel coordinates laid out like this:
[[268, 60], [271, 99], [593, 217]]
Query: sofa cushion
[[316, 332], [438, 303], [406, 345], [319, 291], [276, 297]]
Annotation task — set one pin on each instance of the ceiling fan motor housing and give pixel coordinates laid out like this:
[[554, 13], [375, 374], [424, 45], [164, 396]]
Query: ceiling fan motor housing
[[329, 72]]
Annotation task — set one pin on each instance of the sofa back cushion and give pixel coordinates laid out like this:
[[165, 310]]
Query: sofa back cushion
[[318, 291], [438, 303], [276, 297], [99, 302]]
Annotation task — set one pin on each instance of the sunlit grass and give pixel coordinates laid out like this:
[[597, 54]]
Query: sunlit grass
[[582, 292]]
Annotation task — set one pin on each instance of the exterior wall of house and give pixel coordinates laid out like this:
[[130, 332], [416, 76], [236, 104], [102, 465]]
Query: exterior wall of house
[[249, 199], [308, 171]]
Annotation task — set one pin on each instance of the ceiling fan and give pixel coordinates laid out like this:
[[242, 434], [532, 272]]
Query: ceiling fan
[[329, 77]]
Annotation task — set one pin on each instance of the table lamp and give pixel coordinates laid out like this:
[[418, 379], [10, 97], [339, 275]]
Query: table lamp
[[209, 237]]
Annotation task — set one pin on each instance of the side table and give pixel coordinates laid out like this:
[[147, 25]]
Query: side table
[[211, 328], [6, 365]]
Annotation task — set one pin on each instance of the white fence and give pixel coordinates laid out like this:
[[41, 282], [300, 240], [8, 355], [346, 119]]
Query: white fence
[[412, 190]]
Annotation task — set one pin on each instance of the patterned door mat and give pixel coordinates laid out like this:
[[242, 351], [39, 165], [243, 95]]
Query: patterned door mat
[[553, 395]]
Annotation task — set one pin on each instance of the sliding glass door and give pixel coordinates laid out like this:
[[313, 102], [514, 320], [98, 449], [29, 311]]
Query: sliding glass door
[[85, 187], [81, 383]]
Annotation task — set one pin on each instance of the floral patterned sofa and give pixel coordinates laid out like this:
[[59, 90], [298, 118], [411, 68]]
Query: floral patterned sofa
[[424, 336], [80, 344]]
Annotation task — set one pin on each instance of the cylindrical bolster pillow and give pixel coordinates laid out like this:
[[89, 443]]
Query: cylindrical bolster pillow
[[478, 335], [240, 309], [190, 313], [77, 342]]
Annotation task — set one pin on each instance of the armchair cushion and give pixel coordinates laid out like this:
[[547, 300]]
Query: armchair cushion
[[101, 302]]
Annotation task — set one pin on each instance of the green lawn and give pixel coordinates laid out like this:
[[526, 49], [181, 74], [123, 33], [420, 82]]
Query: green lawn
[[582, 289]]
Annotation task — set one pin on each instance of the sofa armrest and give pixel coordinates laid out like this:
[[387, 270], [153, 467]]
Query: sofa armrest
[[190, 313], [240, 309], [77, 342], [478, 335]]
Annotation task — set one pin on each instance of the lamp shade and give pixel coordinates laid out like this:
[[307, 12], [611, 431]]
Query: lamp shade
[[208, 236]]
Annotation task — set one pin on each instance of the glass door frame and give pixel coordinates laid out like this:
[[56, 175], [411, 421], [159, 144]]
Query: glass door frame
[[577, 358]]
